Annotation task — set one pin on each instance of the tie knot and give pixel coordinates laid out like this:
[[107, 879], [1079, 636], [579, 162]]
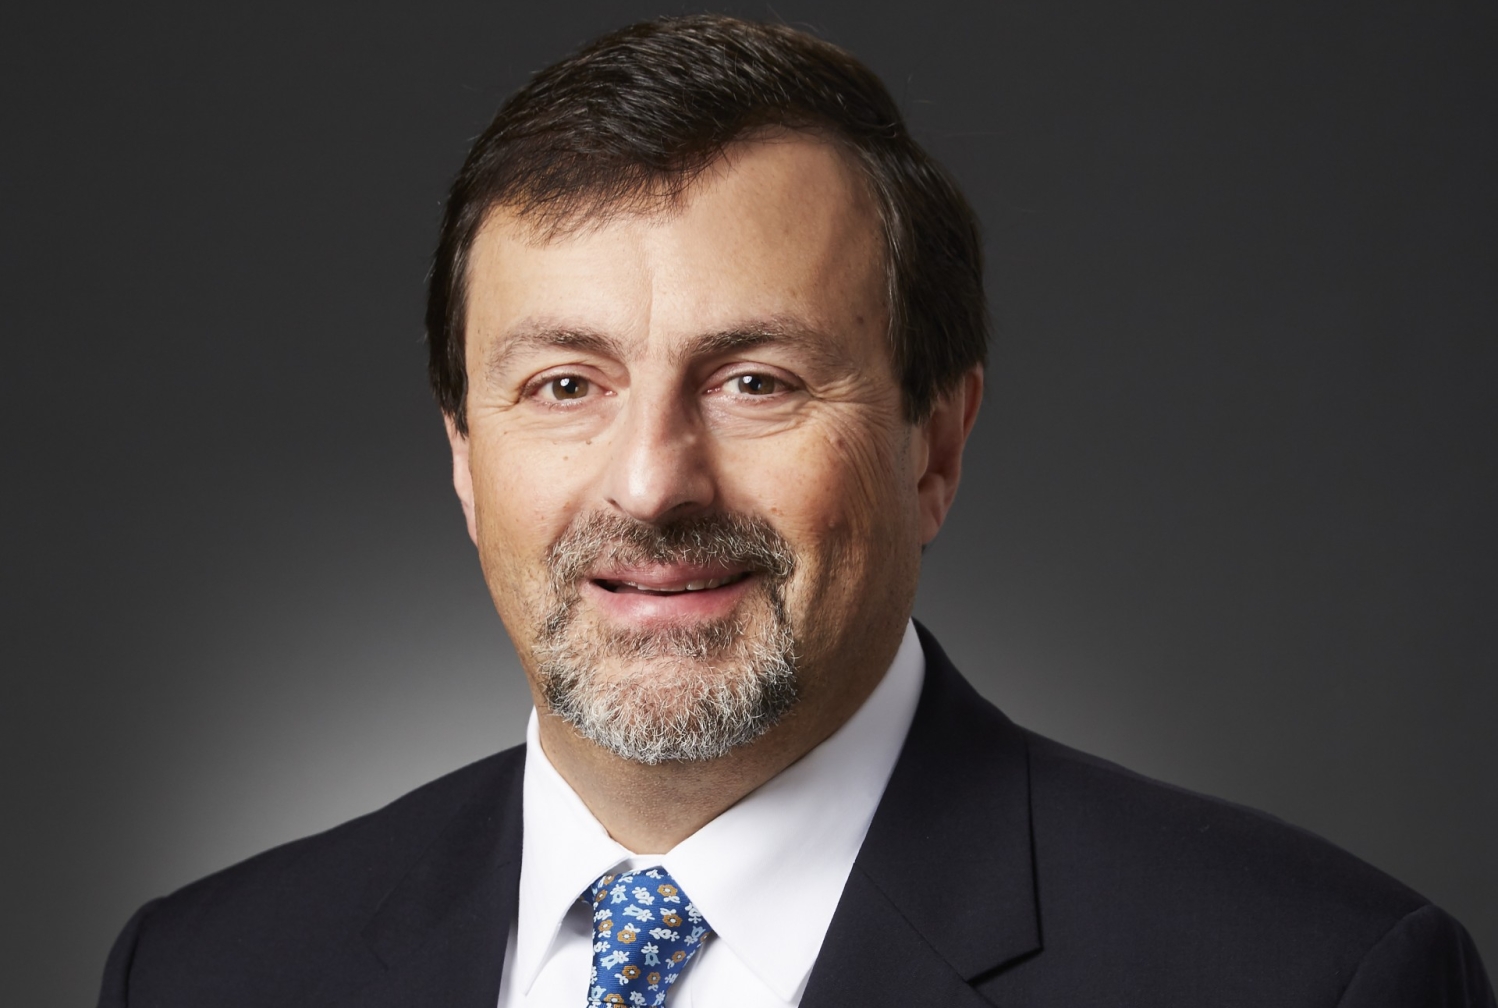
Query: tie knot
[[645, 931]]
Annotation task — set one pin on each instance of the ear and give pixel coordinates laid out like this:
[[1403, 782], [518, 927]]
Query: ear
[[462, 474], [942, 437]]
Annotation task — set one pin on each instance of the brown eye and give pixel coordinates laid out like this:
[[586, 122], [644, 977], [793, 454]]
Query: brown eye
[[756, 384], [569, 387]]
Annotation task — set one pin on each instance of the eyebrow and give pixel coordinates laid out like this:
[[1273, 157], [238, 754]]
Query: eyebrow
[[543, 336], [820, 348], [760, 333]]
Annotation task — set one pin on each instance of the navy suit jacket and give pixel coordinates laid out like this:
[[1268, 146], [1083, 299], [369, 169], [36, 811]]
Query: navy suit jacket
[[1001, 870]]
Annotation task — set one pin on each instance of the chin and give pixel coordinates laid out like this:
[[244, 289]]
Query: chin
[[672, 694]]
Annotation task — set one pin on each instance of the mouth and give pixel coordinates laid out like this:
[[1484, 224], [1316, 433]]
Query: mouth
[[646, 597], [658, 586]]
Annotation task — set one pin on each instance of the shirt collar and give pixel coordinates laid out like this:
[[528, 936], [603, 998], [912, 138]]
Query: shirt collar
[[563, 851], [767, 873]]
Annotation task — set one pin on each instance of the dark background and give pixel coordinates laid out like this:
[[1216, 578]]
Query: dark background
[[1229, 511]]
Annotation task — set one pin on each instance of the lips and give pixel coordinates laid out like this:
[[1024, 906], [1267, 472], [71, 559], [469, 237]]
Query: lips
[[670, 594]]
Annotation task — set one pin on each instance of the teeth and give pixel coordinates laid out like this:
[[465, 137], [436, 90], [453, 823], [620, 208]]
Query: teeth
[[690, 586]]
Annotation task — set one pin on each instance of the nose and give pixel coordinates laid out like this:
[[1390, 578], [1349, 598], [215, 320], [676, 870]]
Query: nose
[[660, 467]]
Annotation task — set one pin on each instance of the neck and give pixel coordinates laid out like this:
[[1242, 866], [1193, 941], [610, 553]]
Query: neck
[[649, 809]]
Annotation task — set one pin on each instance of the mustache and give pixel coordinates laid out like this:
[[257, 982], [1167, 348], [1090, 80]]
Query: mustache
[[732, 538]]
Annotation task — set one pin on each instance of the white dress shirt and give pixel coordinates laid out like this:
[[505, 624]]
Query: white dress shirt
[[767, 873]]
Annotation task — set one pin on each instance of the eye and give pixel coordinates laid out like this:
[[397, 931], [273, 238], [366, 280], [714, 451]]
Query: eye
[[568, 387], [756, 384]]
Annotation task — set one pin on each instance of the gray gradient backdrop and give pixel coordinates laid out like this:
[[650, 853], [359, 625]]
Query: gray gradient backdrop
[[1228, 516]]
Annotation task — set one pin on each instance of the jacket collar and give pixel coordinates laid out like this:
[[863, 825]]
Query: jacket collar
[[943, 890]]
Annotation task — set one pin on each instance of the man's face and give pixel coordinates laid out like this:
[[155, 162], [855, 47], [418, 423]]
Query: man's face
[[695, 497]]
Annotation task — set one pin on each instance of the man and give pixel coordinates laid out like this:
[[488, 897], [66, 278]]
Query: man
[[707, 329]]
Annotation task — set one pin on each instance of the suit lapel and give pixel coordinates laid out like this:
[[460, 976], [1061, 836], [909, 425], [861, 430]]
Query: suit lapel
[[441, 932], [873, 957], [943, 888]]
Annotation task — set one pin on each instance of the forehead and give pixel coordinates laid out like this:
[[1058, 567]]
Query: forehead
[[779, 228]]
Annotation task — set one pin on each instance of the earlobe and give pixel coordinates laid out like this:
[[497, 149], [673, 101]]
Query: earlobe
[[943, 435], [462, 475]]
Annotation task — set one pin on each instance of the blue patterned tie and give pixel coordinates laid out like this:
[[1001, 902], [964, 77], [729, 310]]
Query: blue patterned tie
[[644, 934]]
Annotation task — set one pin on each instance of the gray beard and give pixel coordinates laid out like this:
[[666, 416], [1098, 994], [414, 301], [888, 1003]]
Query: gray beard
[[689, 694]]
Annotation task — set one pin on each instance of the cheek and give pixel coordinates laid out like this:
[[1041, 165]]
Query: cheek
[[846, 504], [525, 494], [838, 493]]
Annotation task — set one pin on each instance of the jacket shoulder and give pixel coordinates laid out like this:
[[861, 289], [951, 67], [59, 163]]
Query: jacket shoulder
[[1131, 870], [1082, 802], [1095, 885], [305, 901], [362, 853]]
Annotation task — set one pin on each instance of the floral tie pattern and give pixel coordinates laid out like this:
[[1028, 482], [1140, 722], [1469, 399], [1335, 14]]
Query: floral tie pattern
[[645, 931]]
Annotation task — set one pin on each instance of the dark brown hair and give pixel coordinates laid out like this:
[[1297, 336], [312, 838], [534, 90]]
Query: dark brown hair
[[628, 122]]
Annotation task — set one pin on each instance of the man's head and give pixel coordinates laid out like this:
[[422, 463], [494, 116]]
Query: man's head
[[708, 330]]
